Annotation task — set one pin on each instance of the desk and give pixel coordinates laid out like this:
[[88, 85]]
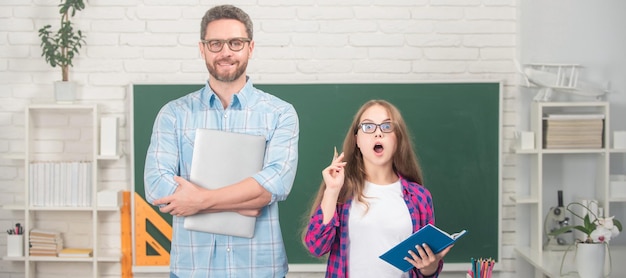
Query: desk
[[550, 266]]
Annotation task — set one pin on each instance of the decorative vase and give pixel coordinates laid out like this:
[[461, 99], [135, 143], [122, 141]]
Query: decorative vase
[[590, 259], [64, 91]]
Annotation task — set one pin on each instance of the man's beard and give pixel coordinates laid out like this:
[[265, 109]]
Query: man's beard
[[227, 77]]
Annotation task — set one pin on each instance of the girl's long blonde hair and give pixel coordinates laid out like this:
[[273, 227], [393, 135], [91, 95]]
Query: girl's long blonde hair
[[405, 161]]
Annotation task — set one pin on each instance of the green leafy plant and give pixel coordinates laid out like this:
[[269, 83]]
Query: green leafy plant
[[598, 230], [61, 47]]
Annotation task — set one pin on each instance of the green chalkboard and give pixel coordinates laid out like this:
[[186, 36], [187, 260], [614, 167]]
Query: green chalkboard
[[456, 131]]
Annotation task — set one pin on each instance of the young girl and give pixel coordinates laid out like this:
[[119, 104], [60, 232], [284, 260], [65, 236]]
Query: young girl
[[373, 200]]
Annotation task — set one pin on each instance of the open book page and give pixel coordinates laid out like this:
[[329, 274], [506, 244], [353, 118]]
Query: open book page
[[457, 235], [452, 236]]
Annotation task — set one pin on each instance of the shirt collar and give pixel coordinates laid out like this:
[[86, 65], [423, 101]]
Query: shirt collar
[[240, 99]]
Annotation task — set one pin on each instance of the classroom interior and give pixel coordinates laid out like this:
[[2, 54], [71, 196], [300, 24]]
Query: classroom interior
[[137, 43]]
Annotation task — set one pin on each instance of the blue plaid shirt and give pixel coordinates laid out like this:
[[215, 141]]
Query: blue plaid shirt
[[252, 111]]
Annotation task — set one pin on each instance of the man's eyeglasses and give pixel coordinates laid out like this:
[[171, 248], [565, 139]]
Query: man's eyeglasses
[[235, 44], [385, 127]]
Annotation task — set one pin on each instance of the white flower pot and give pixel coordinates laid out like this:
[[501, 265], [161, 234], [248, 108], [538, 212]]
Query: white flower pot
[[590, 260], [64, 91]]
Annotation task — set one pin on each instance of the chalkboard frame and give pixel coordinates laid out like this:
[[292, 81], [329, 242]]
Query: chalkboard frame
[[341, 102]]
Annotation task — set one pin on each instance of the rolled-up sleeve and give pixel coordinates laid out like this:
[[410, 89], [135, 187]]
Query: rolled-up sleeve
[[162, 157], [281, 157]]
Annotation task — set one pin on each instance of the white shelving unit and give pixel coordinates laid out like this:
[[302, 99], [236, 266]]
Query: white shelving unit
[[64, 133], [543, 172]]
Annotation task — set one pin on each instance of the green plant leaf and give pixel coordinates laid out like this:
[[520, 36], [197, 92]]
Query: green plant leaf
[[585, 230], [62, 47], [561, 230]]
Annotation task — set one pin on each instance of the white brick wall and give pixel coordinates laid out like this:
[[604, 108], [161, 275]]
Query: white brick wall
[[155, 41]]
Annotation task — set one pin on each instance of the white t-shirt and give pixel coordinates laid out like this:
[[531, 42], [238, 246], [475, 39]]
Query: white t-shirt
[[386, 223]]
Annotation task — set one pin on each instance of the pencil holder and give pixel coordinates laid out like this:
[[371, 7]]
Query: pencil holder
[[15, 245]]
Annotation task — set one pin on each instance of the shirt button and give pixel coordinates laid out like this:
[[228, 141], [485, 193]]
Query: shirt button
[[227, 249], [225, 116]]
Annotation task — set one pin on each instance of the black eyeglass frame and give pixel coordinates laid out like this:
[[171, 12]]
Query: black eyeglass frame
[[376, 126], [207, 44]]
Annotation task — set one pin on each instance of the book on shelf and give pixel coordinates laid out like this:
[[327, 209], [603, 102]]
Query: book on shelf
[[44, 233], [47, 246], [573, 116], [574, 124], [569, 123], [572, 146], [43, 240], [573, 141], [44, 250], [42, 254], [573, 130], [436, 239], [565, 134], [76, 252]]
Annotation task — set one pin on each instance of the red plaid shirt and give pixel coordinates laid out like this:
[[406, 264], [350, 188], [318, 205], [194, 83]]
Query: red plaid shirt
[[333, 237]]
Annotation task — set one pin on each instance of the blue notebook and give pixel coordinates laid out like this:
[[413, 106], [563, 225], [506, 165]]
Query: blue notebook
[[436, 239]]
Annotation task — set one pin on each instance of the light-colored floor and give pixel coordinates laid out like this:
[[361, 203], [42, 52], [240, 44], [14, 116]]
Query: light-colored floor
[[301, 275]]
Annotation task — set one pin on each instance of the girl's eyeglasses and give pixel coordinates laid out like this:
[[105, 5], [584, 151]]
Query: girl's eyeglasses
[[385, 127]]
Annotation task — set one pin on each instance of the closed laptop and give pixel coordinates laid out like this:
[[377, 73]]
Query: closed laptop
[[221, 158]]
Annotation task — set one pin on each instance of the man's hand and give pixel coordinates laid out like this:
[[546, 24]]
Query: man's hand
[[250, 212], [186, 200]]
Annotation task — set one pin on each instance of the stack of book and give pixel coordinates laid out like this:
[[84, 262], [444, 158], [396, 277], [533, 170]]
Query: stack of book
[[573, 131], [44, 243]]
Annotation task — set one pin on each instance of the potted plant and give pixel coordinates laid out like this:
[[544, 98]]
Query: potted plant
[[598, 231], [60, 48]]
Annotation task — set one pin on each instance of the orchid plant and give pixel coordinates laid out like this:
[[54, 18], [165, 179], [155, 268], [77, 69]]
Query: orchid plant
[[598, 230]]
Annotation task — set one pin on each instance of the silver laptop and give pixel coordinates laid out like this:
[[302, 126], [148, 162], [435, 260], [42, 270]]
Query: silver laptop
[[222, 158]]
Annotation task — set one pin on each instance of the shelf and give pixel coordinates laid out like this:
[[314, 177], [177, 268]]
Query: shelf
[[57, 106], [60, 208], [109, 157], [558, 151], [541, 172], [571, 151], [110, 258], [106, 258], [568, 104], [547, 266], [564, 151], [20, 156], [108, 208], [81, 120], [58, 259], [551, 263], [21, 207], [524, 200], [617, 199]]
